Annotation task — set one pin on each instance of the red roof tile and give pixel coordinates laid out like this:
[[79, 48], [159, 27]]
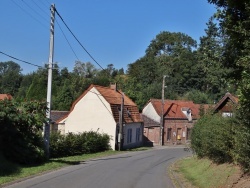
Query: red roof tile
[[5, 96], [173, 108], [114, 98], [227, 96]]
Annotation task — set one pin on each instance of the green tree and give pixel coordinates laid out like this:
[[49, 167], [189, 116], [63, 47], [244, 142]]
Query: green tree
[[20, 127], [210, 56], [10, 77]]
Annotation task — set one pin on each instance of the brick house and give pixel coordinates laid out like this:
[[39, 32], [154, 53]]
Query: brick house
[[178, 119]]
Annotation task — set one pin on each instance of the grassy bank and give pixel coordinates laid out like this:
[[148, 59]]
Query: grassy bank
[[202, 173], [11, 172]]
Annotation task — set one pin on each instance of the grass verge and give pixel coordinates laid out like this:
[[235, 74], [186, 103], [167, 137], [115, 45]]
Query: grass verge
[[12, 172], [202, 173]]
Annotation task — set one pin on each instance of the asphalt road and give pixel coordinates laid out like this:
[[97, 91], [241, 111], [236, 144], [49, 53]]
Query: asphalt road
[[141, 169]]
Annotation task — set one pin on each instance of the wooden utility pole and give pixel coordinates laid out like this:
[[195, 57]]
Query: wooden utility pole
[[50, 67], [162, 111], [120, 135]]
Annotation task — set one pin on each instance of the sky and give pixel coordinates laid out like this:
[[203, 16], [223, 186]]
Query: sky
[[113, 31]]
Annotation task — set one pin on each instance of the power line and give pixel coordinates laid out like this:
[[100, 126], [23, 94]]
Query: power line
[[67, 40], [40, 7], [28, 13], [44, 4], [34, 10], [78, 40], [21, 60], [48, 2]]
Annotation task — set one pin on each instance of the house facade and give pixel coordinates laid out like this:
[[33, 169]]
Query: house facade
[[178, 119], [226, 105], [99, 109]]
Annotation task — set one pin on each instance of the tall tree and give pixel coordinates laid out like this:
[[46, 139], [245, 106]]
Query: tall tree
[[169, 54], [210, 57], [234, 18]]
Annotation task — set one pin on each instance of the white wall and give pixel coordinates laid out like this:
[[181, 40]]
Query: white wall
[[94, 113], [150, 112]]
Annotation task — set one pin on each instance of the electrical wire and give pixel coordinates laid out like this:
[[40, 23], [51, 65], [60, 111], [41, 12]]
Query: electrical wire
[[78, 40], [67, 41], [35, 11], [21, 60], [28, 13], [44, 4], [40, 8], [48, 2]]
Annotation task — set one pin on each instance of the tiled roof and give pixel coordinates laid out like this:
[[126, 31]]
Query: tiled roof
[[114, 98], [5, 96], [173, 108], [130, 113], [149, 122], [56, 115], [227, 96]]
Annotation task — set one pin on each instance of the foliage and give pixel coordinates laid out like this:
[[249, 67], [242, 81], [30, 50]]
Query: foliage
[[10, 77], [212, 137], [234, 17], [197, 97], [222, 139], [20, 132], [76, 144]]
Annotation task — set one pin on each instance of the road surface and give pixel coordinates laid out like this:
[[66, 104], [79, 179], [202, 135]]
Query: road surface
[[141, 169]]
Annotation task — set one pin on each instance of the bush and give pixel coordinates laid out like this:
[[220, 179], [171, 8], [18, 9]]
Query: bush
[[77, 144], [212, 137], [20, 131]]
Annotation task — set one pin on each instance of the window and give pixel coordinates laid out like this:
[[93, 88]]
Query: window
[[227, 114], [138, 134], [129, 136], [169, 134], [188, 134]]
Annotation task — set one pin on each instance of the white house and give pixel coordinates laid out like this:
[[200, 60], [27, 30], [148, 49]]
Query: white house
[[98, 108]]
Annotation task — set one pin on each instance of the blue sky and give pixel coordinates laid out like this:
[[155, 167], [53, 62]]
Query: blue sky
[[113, 31]]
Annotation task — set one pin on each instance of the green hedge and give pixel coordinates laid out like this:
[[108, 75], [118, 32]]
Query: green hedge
[[222, 140], [212, 137], [77, 144]]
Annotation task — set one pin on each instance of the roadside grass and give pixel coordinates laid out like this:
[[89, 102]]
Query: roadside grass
[[12, 172], [203, 173]]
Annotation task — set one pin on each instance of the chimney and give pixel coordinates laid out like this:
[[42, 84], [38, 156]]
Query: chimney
[[113, 86]]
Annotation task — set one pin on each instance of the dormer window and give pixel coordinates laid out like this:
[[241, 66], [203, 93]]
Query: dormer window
[[128, 112], [188, 112]]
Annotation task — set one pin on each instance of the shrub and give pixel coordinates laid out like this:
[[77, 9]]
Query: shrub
[[20, 131], [212, 137], [77, 144]]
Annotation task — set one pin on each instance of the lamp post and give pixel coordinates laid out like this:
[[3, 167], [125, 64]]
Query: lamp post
[[162, 111]]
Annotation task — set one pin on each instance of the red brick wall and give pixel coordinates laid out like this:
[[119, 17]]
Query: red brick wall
[[152, 135], [177, 127]]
